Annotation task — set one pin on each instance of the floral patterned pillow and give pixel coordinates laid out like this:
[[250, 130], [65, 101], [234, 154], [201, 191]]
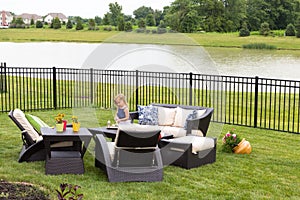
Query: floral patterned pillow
[[148, 115]]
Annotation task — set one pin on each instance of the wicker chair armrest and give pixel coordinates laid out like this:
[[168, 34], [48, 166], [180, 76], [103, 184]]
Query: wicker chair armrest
[[102, 154], [201, 123]]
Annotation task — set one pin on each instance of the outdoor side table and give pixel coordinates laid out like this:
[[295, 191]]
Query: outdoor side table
[[65, 161]]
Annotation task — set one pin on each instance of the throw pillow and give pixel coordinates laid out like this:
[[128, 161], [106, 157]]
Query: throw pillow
[[181, 116], [148, 115], [166, 116], [193, 115], [36, 122]]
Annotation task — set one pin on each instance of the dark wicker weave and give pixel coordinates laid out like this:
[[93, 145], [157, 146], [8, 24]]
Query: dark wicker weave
[[129, 164], [180, 154], [64, 162]]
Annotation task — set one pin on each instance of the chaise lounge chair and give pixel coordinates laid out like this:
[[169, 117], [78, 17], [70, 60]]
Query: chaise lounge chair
[[33, 148], [134, 156]]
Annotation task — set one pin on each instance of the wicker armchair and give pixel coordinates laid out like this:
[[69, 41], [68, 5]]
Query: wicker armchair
[[133, 157]]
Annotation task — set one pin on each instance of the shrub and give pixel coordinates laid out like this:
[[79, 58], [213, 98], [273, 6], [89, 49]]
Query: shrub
[[154, 31], [264, 29], [162, 24], [161, 30], [109, 28], [244, 32], [140, 30], [39, 24], [290, 30], [259, 46], [56, 23], [172, 31], [12, 26], [142, 24], [128, 27], [69, 25], [79, 25]]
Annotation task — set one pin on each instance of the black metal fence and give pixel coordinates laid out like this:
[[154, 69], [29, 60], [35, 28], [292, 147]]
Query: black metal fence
[[249, 101]]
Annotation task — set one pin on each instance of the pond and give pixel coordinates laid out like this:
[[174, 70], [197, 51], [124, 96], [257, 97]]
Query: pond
[[281, 64]]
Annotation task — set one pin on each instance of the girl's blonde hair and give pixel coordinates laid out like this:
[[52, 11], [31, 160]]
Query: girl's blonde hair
[[120, 97]]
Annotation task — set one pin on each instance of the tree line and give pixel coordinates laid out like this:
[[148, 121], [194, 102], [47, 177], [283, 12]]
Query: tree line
[[202, 15]]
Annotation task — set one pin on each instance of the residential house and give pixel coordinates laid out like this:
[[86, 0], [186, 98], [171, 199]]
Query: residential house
[[6, 18], [51, 16], [28, 17]]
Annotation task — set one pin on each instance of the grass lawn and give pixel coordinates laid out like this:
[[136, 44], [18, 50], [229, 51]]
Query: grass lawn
[[271, 171], [203, 39]]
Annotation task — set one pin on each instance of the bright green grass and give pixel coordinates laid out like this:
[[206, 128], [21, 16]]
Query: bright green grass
[[271, 171], [203, 39]]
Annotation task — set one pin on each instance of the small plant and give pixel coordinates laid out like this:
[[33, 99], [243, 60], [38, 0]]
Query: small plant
[[230, 140], [259, 46], [69, 192], [75, 119], [59, 118]]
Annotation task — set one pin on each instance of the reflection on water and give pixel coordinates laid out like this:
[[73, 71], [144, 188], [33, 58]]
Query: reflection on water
[[282, 64]]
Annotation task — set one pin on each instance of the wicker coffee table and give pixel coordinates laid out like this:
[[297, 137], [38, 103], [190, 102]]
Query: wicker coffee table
[[65, 161]]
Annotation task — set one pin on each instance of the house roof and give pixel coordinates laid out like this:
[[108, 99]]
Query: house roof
[[7, 13], [59, 15], [29, 16]]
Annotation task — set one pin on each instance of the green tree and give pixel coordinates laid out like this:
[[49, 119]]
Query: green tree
[[56, 23], [256, 14], [150, 20], [128, 27], [234, 13], [121, 23], [264, 29], [105, 20], [290, 30], [79, 25], [92, 24], [142, 12], [158, 15], [297, 26], [32, 22], [39, 24], [244, 31], [141, 23], [115, 12], [69, 24], [98, 20], [19, 21]]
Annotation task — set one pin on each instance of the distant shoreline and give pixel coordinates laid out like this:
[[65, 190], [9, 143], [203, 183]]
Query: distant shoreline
[[227, 40]]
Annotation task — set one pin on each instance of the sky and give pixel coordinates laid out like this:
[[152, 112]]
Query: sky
[[82, 8]]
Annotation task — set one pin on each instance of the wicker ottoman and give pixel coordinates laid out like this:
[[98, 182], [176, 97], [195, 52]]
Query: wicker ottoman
[[189, 151]]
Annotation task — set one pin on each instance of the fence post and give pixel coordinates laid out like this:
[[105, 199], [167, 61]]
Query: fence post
[[256, 102], [91, 86], [191, 89], [54, 88], [3, 78], [136, 89]]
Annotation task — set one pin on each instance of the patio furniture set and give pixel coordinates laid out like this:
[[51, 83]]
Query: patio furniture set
[[175, 135]]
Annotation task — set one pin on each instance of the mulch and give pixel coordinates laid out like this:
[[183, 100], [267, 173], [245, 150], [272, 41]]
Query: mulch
[[20, 191]]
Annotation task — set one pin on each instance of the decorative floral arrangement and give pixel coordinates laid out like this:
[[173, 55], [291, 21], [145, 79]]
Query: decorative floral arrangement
[[59, 118], [75, 119], [230, 140]]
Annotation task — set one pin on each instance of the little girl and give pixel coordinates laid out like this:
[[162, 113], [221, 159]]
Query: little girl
[[122, 114]]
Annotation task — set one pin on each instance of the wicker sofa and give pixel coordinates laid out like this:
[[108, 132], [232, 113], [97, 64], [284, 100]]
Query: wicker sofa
[[191, 148]]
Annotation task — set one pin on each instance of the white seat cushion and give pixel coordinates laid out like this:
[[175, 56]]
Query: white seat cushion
[[198, 143], [20, 117], [171, 130]]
